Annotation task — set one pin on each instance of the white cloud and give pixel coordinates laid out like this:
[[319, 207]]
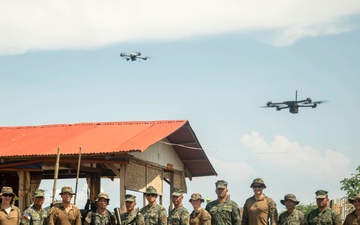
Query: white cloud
[[53, 25], [282, 153]]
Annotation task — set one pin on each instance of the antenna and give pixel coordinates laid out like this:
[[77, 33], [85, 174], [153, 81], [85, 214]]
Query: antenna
[[296, 96]]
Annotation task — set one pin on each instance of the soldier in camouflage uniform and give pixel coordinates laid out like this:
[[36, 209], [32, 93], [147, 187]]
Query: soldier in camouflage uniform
[[198, 216], [35, 214], [179, 215], [223, 211], [131, 216], [154, 214], [323, 215], [259, 209], [292, 216], [101, 216], [354, 217]]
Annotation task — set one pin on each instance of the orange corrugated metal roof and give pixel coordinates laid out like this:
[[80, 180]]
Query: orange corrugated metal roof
[[97, 138], [102, 137]]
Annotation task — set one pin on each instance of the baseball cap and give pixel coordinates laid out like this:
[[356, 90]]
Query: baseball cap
[[221, 184]]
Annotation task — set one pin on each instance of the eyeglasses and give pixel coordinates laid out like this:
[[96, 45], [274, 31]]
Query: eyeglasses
[[258, 186], [151, 195], [7, 195]]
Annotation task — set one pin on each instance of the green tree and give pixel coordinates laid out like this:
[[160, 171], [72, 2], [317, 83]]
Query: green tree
[[351, 185], [306, 208]]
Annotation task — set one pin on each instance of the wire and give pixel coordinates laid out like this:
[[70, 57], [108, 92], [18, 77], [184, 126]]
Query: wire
[[215, 150]]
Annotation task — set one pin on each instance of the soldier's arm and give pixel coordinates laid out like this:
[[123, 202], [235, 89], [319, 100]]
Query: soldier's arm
[[52, 216], [185, 218], [24, 219], [162, 217], [235, 215], [337, 219], [78, 217], [206, 217], [87, 219], [245, 215], [140, 219], [273, 214]]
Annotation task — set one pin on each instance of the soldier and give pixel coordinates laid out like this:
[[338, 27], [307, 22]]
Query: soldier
[[323, 215], [65, 213], [292, 216], [179, 215], [199, 216], [354, 217], [223, 211], [154, 214], [131, 216], [35, 214], [100, 216], [259, 208], [9, 214]]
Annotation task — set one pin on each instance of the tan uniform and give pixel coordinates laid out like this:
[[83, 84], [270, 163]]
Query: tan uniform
[[259, 212], [203, 217], [58, 216], [13, 218]]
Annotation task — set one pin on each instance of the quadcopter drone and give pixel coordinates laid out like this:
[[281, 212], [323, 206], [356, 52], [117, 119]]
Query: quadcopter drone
[[134, 56], [293, 105]]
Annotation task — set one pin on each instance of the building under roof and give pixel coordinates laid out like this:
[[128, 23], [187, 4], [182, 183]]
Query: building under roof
[[138, 154]]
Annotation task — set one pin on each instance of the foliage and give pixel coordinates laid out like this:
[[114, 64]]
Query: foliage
[[351, 185], [306, 208]]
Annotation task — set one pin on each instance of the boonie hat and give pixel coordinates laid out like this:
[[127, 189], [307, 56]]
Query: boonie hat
[[196, 196], [291, 197], [38, 193], [356, 197], [130, 198], [321, 194], [258, 181], [102, 195], [221, 184], [177, 192], [151, 190], [7, 190], [66, 189]]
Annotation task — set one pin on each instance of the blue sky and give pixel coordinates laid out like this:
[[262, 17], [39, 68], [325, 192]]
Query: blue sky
[[214, 64]]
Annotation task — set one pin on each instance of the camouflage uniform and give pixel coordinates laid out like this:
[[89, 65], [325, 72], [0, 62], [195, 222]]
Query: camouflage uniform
[[134, 218], [296, 217], [224, 213], [325, 217], [179, 216], [156, 214], [95, 218], [32, 216]]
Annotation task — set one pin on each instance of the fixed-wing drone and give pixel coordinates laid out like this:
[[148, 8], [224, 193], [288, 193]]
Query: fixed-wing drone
[[134, 56], [293, 105]]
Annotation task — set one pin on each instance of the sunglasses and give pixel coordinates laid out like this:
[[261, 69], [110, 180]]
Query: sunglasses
[[7, 195], [151, 195], [258, 186]]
